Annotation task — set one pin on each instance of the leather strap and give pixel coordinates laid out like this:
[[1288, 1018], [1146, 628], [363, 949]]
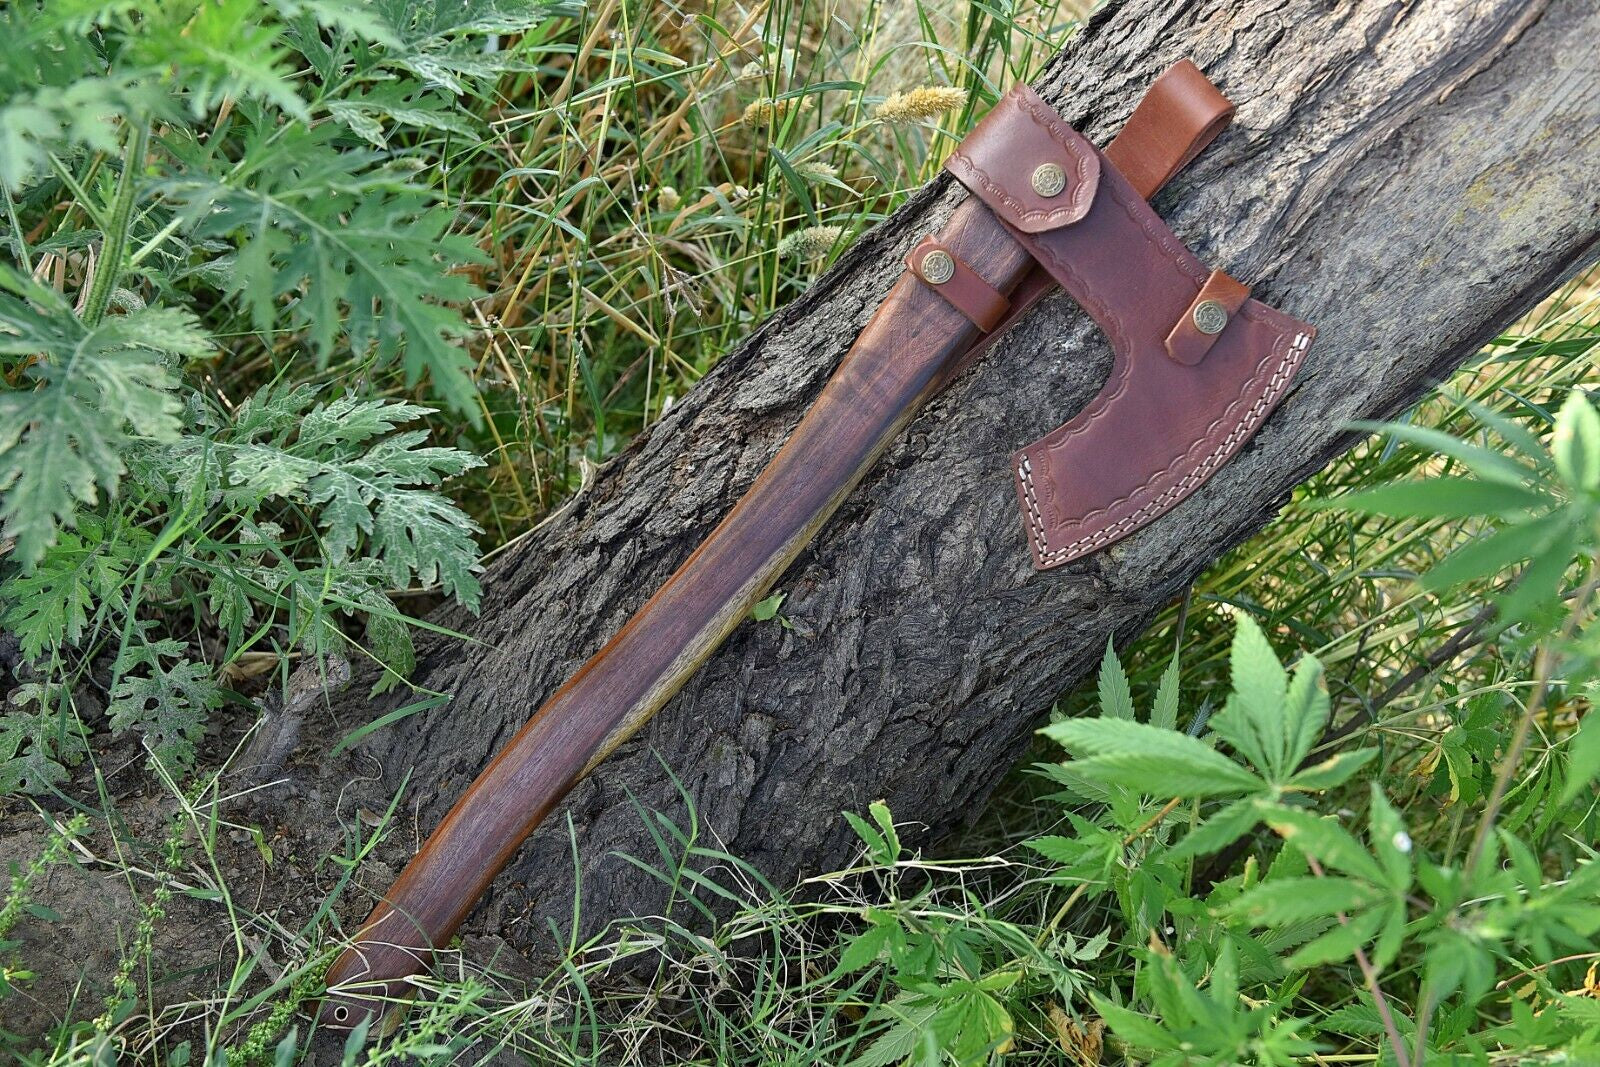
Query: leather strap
[[1207, 315], [962, 287], [1180, 114]]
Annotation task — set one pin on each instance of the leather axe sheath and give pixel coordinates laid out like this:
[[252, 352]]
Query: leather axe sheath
[[1198, 366]]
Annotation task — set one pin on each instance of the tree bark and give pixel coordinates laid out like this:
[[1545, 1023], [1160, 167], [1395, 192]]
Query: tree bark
[[1408, 177]]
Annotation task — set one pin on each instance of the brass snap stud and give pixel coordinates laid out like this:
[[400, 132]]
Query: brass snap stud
[[1210, 317], [1049, 179], [938, 267]]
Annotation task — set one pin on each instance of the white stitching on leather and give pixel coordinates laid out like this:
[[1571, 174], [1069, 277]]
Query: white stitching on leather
[[1049, 557]]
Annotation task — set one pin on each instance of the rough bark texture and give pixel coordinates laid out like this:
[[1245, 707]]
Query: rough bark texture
[[1409, 177]]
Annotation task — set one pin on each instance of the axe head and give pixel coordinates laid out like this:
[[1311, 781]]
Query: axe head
[[1199, 365]]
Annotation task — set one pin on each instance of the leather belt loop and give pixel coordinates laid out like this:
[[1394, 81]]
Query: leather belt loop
[[961, 286], [1181, 114], [1198, 328]]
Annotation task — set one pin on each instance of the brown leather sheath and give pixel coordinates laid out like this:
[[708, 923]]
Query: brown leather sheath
[[1198, 364]]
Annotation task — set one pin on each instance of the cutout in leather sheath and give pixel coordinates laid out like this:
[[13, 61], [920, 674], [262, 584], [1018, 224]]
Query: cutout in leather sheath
[[1164, 423]]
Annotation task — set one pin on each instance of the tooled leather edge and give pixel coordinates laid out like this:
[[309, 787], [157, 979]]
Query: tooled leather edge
[[1223, 440], [1085, 160]]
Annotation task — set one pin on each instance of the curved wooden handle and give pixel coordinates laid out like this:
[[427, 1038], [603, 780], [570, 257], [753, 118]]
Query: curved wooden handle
[[902, 357]]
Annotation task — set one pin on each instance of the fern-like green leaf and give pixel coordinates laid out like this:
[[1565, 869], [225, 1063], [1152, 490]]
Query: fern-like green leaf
[[91, 394], [363, 250], [167, 704], [40, 738]]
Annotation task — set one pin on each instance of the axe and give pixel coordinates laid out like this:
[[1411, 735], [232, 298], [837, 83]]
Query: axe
[[1198, 367]]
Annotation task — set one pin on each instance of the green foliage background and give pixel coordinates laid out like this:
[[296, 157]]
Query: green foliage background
[[305, 305]]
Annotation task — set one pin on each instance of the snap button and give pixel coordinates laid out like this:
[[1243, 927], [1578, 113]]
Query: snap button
[[1210, 317], [1049, 179], [938, 267]]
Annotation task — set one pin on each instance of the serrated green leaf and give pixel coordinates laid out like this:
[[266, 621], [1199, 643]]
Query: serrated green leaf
[[1495, 552], [167, 704], [1575, 445], [1305, 712], [1064, 851], [1222, 829], [367, 247], [1116, 699], [1296, 899], [1164, 713], [1151, 759], [40, 739], [1252, 720], [1331, 772], [1583, 758], [1324, 839], [389, 642], [863, 949], [1140, 1031], [1339, 943], [96, 392]]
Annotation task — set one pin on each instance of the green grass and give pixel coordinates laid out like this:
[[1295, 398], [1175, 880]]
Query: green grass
[[634, 224]]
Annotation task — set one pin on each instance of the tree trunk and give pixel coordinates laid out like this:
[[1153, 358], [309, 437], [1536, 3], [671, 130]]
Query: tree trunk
[[1410, 178]]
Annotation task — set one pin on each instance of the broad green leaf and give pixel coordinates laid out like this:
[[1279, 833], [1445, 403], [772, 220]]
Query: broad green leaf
[[1167, 776], [1539, 584], [879, 810], [1140, 1031], [1575, 445], [1454, 959], [1486, 463], [1583, 758], [766, 610], [877, 847], [1390, 841], [1222, 829], [1443, 498], [863, 949], [1493, 553], [1339, 943]]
